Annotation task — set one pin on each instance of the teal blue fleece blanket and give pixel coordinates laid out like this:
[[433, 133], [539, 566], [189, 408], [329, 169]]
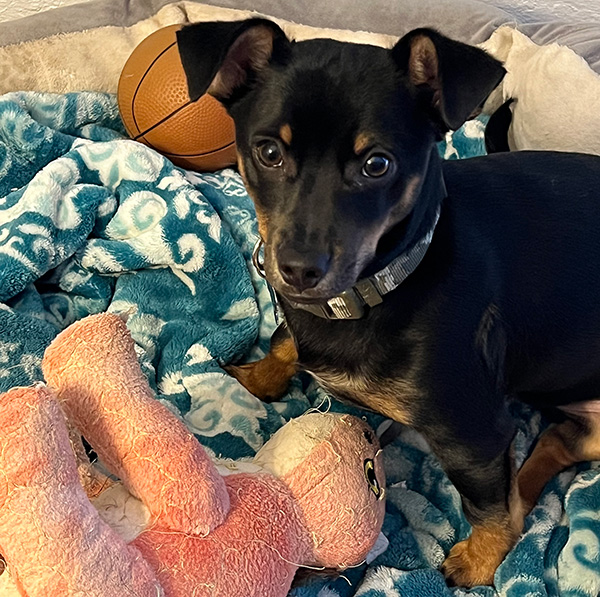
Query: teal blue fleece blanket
[[90, 221]]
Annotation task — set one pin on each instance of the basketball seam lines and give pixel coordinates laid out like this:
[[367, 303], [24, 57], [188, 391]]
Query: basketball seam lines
[[198, 155], [162, 120], [148, 130], [141, 134]]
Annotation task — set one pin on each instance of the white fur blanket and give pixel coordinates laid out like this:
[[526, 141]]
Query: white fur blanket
[[556, 93]]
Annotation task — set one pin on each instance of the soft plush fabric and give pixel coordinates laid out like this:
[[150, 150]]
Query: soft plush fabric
[[207, 535], [583, 38], [40, 489], [546, 112], [92, 368], [88, 226]]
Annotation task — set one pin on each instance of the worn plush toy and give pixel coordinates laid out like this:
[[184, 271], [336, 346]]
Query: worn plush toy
[[319, 501]]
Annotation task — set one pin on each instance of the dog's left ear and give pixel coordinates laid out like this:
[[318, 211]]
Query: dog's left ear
[[224, 59], [453, 78]]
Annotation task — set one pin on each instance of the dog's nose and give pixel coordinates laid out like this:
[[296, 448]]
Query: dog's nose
[[302, 270]]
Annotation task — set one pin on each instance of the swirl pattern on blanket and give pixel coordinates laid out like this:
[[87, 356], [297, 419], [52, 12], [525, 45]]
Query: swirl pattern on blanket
[[90, 221]]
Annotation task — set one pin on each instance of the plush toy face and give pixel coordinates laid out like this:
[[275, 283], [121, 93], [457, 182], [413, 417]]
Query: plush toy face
[[333, 465]]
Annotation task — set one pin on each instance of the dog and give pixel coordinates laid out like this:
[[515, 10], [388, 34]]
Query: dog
[[432, 292]]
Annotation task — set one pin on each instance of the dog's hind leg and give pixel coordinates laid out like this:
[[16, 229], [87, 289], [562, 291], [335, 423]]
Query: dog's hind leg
[[575, 440], [268, 379], [562, 445]]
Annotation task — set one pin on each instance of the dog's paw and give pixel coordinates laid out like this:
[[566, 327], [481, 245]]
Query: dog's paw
[[262, 384], [466, 566], [474, 561]]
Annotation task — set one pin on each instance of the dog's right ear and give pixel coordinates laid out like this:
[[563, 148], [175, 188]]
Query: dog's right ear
[[452, 79], [224, 59]]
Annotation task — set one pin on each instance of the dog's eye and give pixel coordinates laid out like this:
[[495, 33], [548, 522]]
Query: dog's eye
[[269, 154], [377, 165]]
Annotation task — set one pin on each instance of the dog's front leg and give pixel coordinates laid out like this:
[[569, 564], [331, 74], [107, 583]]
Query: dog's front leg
[[268, 379], [474, 447], [495, 529]]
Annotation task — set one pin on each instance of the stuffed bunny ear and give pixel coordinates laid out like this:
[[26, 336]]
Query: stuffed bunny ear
[[453, 78], [224, 59], [54, 542]]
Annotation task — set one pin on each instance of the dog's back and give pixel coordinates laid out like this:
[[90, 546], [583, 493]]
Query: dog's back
[[534, 220]]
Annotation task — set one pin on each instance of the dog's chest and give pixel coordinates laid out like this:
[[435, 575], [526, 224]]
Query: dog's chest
[[390, 397]]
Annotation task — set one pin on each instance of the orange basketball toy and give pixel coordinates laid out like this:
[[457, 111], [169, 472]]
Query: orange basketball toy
[[156, 109]]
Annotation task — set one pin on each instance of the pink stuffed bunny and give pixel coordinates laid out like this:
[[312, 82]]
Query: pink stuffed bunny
[[318, 503]]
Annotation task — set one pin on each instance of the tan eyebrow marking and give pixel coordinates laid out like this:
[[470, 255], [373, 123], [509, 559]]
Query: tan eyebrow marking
[[285, 132], [362, 141]]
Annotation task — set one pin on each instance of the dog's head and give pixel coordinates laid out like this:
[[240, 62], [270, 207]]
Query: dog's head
[[334, 139]]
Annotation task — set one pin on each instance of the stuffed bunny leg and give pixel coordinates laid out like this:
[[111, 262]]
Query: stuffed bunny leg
[[52, 538], [94, 370]]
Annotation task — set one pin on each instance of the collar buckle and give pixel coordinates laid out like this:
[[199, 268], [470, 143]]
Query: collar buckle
[[346, 305], [349, 304]]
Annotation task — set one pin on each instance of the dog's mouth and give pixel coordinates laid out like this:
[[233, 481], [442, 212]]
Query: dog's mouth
[[338, 280], [303, 299], [321, 293], [344, 268]]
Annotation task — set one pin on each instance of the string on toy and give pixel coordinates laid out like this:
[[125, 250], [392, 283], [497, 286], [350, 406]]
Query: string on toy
[[317, 409], [307, 566]]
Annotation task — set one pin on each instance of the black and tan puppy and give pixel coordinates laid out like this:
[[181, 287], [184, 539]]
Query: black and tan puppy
[[428, 291]]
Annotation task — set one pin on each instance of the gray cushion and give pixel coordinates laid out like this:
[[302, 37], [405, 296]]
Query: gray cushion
[[468, 20]]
